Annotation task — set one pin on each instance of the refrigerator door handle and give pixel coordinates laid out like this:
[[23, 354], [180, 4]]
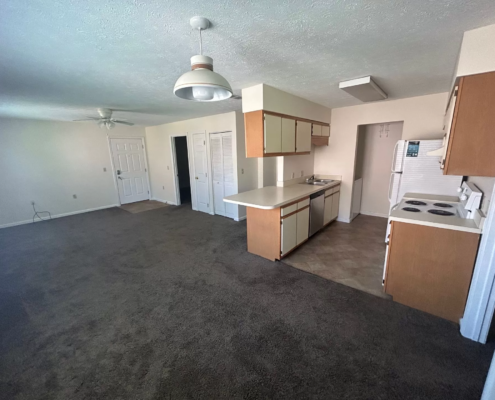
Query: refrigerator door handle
[[390, 187]]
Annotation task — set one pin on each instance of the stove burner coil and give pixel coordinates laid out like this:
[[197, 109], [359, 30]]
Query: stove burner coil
[[416, 202], [411, 209], [443, 205], [441, 212]]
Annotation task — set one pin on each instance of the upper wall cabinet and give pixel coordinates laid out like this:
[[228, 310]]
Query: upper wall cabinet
[[320, 134], [470, 128], [271, 134]]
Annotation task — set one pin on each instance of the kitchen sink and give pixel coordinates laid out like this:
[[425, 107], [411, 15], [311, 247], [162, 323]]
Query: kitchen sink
[[318, 182]]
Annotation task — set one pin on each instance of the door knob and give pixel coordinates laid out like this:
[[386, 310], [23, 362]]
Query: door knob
[[196, 177]]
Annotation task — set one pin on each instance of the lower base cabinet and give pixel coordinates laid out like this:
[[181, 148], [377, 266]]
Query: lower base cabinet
[[289, 233], [331, 210], [430, 268], [302, 225]]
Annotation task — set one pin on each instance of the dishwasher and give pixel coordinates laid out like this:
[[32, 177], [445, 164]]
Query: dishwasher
[[317, 210]]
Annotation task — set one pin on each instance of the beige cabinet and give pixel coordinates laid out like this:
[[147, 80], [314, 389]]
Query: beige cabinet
[[270, 134], [335, 205], [316, 130], [273, 134], [327, 214], [302, 225], [288, 135], [303, 137], [288, 234]]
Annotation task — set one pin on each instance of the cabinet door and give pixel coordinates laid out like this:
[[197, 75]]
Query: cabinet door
[[288, 135], [327, 214], [302, 225], [316, 130], [325, 131], [303, 137], [335, 205], [273, 134], [289, 233]]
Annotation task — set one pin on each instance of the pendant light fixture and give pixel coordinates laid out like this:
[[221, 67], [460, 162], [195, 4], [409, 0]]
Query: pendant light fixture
[[201, 83]]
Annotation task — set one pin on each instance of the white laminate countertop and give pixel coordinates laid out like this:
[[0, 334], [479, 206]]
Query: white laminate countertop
[[436, 221], [271, 197]]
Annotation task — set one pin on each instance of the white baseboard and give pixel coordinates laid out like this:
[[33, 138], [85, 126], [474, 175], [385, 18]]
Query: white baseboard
[[372, 214], [346, 220], [163, 201], [240, 218], [30, 221]]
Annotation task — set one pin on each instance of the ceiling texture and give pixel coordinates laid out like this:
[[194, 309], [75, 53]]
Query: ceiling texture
[[61, 59]]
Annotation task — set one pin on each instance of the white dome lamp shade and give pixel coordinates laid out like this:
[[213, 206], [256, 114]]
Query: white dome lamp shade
[[201, 83]]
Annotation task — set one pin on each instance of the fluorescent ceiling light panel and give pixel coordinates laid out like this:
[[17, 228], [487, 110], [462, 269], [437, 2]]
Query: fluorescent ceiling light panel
[[363, 89]]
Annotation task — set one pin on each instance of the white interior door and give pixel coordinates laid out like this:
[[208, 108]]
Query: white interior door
[[201, 172], [130, 166], [222, 165]]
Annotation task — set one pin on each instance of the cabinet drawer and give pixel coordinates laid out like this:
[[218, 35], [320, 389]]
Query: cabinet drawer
[[328, 192], [303, 204], [287, 210]]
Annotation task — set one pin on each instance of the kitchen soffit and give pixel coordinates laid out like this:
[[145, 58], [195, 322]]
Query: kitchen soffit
[[61, 59]]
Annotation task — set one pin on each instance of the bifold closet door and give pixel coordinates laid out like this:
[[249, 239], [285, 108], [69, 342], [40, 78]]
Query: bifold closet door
[[222, 164]]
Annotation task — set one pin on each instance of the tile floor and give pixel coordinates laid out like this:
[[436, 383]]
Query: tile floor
[[141, 206], [350, 254]]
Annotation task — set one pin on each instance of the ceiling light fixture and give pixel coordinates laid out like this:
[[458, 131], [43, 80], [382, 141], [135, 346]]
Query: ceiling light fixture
[[201, 83]]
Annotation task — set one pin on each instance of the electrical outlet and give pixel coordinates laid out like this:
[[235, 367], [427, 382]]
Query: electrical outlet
[[302, 173], [163, 187], [168, 167], [32, 202], [75, 196], [104, 170], [293, 175], [242, 171]]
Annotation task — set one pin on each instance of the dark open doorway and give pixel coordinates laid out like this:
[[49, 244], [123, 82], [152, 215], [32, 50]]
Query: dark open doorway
[[182, 160]]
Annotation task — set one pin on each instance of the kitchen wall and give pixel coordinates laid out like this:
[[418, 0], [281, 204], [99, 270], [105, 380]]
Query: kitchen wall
[[160, 156], [422, 117], [373, 163], [49, 161]]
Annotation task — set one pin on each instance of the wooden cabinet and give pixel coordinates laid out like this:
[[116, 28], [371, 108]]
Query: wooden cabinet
[[271, 134], [325, 131], [430, 268], [316, 130], [470, 132], [302, 225], [331, 211], [289, 233], [303, 137], [289, 135]]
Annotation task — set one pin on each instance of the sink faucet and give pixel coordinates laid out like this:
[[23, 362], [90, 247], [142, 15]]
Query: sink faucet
[[311, 178]]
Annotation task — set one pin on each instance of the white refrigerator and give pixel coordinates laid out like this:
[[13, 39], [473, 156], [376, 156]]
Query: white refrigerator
[[414, 171]]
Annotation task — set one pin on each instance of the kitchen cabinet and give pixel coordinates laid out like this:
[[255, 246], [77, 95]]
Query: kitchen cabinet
[[288, 233], [270, 134], [325, 131], [430, 268], [273, 134], [331, 211], [303, 137], [470, 127], [289, 135], [302, 225], [316, 130]]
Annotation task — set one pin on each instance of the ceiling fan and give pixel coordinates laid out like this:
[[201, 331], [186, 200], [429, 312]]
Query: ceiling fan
[[105, 120]]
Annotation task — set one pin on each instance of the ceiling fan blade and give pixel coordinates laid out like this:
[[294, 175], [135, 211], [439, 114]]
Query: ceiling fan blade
[[86, 119], [118, 121]]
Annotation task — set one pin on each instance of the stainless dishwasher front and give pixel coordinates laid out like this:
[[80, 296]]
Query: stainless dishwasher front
[[317, 209]]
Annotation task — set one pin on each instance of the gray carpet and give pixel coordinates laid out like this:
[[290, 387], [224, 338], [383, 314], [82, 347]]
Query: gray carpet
[[167, 304]]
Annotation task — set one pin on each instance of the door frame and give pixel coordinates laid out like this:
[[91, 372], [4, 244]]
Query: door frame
[[174, 166], [192, 161], [115, 183]]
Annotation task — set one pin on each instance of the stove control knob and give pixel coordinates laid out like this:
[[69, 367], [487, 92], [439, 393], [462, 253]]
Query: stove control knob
[[459, 189], [463, 197]]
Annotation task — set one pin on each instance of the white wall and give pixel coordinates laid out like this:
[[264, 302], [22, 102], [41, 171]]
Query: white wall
[[423, 119], [477, 53], [47, 162], [160, 156], [268, 98], [293, 167], [374, 160]]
